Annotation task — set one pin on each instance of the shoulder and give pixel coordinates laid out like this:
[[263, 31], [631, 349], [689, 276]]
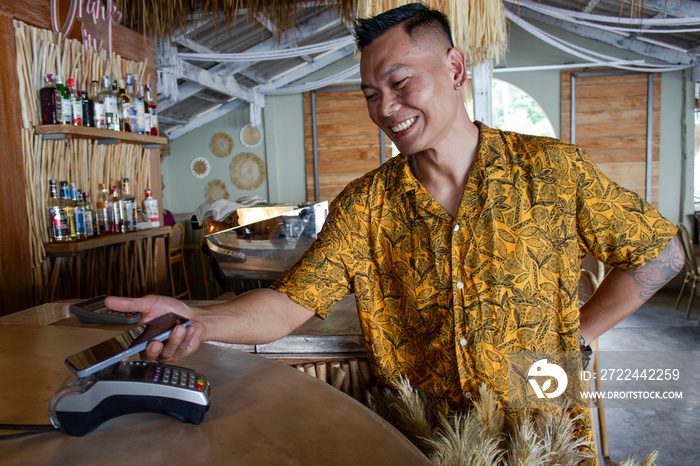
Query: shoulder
[[373, 186], [528, 151], [512, 143]]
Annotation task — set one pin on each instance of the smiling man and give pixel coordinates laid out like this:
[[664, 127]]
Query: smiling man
[[462, 250]]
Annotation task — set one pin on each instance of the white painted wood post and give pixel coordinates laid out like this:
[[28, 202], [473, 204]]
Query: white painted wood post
[[482, 75]]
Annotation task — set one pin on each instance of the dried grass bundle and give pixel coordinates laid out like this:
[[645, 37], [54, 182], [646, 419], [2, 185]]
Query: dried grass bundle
[[478, 26], [162, 18], [409, 410], [482, 436]]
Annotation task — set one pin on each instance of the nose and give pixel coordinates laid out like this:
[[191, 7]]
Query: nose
[[388, 105]]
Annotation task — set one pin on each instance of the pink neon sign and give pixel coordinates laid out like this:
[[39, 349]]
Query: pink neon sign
[[96, 21]]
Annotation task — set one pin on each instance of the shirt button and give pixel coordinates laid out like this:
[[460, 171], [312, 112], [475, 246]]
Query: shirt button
[[456, 228], [460, 285], [463, 341]]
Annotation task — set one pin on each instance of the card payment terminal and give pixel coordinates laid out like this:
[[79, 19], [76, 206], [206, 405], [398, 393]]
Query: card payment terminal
[[82, 404]]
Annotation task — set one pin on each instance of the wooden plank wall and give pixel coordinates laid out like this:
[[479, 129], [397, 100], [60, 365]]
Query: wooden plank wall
[[16, 290], [348, 141], [611, 125]]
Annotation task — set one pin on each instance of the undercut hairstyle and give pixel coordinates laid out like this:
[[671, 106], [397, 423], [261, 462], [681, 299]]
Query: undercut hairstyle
[[416, 18]]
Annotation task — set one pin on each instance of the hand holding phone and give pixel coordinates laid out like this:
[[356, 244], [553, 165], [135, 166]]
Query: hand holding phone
[[179, 344], [122, 346]]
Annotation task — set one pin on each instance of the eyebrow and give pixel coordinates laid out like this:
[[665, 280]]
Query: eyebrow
[[388, 72]]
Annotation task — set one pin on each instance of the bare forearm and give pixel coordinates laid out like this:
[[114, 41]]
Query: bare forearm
[[623, 291], [259, 316]]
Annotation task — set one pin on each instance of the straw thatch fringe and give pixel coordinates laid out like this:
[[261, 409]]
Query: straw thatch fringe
[[481, 436], [162, 18], [478, 26]]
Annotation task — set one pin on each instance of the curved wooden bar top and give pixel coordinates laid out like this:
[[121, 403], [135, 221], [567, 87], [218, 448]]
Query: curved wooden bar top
[[262, 412]]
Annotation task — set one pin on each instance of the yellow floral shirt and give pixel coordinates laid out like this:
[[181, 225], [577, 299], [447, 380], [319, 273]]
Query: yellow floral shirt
[[444, 300]]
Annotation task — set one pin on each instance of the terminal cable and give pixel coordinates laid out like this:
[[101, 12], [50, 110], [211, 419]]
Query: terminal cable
[[32, 429]]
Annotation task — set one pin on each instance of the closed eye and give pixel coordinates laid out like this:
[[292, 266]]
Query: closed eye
[[398, 84]]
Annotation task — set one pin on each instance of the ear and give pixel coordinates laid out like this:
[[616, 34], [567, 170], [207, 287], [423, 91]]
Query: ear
[[458, 68]]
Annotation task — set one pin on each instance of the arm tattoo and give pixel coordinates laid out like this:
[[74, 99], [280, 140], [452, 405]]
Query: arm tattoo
[[656, 273]]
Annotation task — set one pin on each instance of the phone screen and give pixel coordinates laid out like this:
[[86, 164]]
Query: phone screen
[[124, 345]]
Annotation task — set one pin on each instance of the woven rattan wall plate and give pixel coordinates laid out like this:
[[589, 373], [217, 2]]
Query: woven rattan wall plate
[[215, 190], [251, 136], [247, 171], [199, 167], [221, 145]]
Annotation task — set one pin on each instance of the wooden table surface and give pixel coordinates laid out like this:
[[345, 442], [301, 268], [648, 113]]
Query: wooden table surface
[[262, 412], [339, 333]]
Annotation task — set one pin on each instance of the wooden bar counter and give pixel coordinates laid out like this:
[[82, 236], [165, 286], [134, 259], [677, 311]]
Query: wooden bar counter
[[262, 412]]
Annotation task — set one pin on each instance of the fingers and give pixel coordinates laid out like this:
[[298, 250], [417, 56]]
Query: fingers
[[182, 342], [130, 304], [150, 306]]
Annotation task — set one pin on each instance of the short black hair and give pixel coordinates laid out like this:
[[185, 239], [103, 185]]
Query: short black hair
[[414, 17]]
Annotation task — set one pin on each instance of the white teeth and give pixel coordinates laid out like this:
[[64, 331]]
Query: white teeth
[[404, 125]]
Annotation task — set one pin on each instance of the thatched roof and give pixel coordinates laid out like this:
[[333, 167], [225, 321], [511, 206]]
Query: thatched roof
[[160, 18]]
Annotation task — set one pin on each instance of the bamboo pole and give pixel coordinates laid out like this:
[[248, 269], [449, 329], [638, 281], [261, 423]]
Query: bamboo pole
[[337, 375], [310, 369], [321, 372], [39, 52], [355, 379]]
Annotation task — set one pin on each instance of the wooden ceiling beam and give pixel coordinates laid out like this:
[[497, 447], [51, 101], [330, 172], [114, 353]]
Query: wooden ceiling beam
[[591, 5], [322, 21], [620, 41], [223, 84], [673, 8], [321, 62]]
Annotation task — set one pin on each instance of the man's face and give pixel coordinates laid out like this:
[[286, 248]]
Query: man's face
[[409, 89]]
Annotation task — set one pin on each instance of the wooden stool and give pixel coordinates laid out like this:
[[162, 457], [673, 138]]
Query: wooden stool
[[177, 242]]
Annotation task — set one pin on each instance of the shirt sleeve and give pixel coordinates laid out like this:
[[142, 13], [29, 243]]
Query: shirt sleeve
[[616, 225], [321, 277]]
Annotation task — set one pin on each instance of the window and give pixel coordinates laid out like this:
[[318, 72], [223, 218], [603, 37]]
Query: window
[[515, 110]]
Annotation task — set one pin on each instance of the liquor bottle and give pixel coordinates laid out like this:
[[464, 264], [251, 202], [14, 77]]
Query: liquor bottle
[[110, 101], [47, 97], [127, 205], [66, 115], [68, 207], [104, 212], [76, 102], [115, 207], [89, 216], [77, 201], [146, 113], [125, 104], [100, 121], [88, 109], [59, 230], [153, 111], [150, 208], [140, 110]]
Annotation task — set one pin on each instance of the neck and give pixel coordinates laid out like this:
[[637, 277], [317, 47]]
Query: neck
[[444, 170], [452, 159]]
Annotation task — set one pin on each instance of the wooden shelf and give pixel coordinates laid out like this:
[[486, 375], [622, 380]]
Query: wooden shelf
[[105, 135], [74, 247]]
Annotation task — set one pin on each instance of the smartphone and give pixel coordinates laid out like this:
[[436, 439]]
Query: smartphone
[[124, 345]]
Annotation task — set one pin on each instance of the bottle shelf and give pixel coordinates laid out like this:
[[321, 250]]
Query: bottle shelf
[[103, 136], [73, 247]]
